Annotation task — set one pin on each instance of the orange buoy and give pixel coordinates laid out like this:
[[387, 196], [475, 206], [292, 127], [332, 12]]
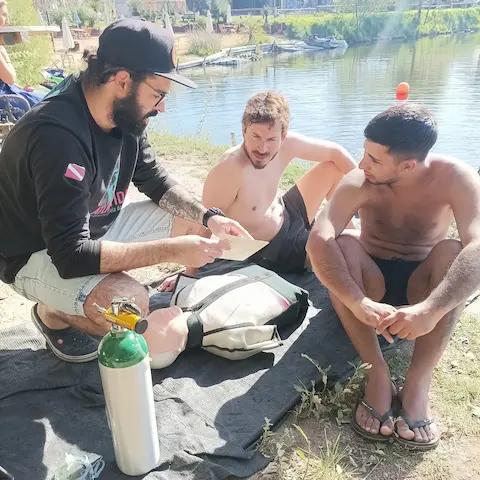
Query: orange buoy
[[403, 89]]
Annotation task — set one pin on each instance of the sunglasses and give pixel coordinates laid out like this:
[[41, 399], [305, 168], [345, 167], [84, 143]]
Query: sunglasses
[[162, 95]]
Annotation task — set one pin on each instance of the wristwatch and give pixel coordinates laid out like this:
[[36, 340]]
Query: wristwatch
[[210, 213]]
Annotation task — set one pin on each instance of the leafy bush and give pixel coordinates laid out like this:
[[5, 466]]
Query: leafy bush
[[254, 27], [88, 17], [202, 43], [201, 22], [369, 27], [28, 58]]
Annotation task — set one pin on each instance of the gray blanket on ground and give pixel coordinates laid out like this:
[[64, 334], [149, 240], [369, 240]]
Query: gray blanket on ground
[[210, 411]]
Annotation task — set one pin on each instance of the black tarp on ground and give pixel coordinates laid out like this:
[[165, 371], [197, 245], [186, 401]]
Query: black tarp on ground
[[210, 411]]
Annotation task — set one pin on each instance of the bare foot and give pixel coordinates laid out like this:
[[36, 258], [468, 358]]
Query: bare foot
[[378, 394], [416, 404]]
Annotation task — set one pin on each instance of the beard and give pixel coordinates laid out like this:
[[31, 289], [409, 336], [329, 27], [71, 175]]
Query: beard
[[255, 165], [127, 115]]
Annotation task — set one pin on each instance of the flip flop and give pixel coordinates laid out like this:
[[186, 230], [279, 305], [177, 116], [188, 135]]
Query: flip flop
[[68, 344], [412, 444], [374, 437]]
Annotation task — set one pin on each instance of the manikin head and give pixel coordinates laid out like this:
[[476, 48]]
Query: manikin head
[[397, 141], [264, 127]]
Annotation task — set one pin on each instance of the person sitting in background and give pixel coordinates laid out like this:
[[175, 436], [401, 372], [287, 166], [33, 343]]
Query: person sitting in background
[[8, 75]]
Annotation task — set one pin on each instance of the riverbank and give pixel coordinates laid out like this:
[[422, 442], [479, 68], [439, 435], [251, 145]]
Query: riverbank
[[372, 27], [31, 58]]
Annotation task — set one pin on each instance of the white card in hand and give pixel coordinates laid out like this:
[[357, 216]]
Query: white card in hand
[[241, 248]]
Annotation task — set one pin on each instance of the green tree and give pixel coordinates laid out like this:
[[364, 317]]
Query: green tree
[[361, 7], [255, 30], [97, 7], [198, 6], [134, 6], [30, 58]]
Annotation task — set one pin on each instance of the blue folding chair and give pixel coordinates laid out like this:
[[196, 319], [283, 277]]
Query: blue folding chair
[[12, 108]]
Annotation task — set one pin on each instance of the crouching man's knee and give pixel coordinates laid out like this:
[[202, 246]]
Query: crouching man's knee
[[113, 286]]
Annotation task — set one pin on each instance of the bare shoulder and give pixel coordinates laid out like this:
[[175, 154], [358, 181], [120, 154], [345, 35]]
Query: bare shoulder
[[294, 139], [354, 181], [231, 160], [452, 171], [354, 187]]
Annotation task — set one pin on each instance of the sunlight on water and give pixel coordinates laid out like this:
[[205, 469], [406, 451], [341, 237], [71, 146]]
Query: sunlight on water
[[333, 95]]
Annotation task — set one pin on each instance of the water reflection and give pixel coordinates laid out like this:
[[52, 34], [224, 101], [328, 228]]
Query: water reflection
[[334, 94]]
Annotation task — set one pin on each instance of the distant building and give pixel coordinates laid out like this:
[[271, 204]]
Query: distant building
[[243, 4]]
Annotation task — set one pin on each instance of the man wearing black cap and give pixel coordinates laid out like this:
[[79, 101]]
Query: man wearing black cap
[[64, 173]]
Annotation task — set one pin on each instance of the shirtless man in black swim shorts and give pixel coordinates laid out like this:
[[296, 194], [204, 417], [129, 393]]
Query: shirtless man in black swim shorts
[[244, 183], [401, 276]]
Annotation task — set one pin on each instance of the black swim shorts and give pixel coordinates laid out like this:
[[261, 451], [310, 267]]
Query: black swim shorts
[[397, 273], [286, 252]]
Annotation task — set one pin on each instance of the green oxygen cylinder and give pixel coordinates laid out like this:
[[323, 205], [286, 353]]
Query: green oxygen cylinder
[[124, 364]]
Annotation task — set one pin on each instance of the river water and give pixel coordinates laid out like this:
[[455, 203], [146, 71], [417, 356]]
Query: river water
[[333, 95]]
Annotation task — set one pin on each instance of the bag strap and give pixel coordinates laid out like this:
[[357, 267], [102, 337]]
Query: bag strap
[[194, 322], [195, 331], [209, 299], [275, 281], [230, 327]]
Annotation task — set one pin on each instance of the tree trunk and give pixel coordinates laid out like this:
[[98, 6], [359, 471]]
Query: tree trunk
[[419, 10]]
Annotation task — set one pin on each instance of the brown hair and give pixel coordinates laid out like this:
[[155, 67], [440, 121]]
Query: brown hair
[[267, 108], [3, 3]]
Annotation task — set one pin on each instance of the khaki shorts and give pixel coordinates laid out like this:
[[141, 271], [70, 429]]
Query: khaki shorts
[[40, 282]]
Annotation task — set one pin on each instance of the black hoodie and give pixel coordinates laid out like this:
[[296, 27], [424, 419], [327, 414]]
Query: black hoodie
[[63, 181]]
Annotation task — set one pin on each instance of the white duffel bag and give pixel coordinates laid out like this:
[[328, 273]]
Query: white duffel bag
[[238, 314]]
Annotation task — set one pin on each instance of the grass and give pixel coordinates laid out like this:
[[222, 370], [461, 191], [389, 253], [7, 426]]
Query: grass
[[330, 464], [291, 174], [202, 44], [457, 380], [317, 444], [200, 149]]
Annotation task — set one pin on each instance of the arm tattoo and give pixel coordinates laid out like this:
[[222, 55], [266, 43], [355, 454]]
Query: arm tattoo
[[180, 203]]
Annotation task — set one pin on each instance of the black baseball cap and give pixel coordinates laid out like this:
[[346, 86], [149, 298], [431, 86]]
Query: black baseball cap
[[141, 46]]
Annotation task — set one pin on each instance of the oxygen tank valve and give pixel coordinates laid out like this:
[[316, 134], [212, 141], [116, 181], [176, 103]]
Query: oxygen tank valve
[[125, 313]]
